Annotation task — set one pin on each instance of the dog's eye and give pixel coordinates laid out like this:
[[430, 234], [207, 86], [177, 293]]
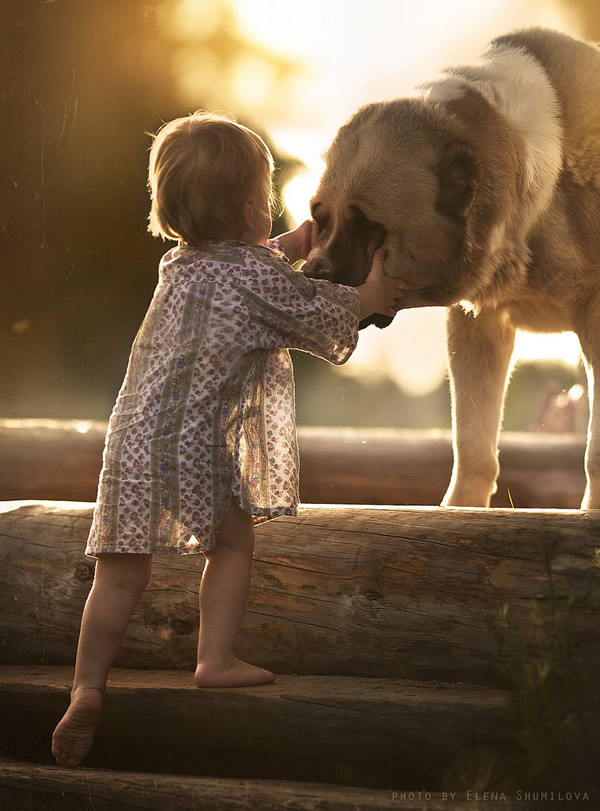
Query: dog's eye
[[355, 215], [320, 221], [319, 215]]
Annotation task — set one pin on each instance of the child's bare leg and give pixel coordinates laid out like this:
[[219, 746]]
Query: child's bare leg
[[223, 598], [119, 581]]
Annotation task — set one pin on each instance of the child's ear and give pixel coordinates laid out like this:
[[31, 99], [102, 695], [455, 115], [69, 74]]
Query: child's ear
[[249, 215]]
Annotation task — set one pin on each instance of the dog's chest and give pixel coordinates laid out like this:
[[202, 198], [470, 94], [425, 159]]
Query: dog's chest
[[540, 313]]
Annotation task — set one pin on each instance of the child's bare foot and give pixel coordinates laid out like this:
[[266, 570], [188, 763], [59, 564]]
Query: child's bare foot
[[72, 738], [237, 674]]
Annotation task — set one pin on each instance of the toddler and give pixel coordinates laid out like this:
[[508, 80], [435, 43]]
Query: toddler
[[201, 443]]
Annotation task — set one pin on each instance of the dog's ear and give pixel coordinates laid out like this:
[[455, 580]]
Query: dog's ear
[[458, 171]]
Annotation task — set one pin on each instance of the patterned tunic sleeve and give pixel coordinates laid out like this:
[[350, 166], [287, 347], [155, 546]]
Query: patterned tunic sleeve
[[292, 311]]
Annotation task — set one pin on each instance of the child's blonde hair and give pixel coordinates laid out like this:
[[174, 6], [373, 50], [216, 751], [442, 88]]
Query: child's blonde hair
[[203, 169]]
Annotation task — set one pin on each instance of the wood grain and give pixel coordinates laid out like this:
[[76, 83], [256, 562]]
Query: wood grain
[[34, 786], [398, 593], [330, 728]]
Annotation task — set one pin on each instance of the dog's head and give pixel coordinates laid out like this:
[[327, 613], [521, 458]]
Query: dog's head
[[395, 177]]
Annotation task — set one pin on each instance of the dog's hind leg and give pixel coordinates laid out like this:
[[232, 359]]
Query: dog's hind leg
[[589, 339], [479, 352]]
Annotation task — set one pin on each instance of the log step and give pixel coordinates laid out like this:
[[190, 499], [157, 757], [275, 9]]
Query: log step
[[31, 786], [350, 591], [363, 732]]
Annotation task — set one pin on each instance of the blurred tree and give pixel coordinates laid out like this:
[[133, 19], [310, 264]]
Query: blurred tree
[[82, 85], [528, 387], [324, 397], [82, 92], [214, 60]]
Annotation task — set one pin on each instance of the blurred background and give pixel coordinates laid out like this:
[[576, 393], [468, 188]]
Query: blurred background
[[84, 82]]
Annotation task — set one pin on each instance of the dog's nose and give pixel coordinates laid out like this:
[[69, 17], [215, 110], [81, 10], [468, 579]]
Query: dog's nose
[[316, 268]]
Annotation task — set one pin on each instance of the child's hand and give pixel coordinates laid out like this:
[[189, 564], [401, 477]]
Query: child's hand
[[296, 243], [379, 293]]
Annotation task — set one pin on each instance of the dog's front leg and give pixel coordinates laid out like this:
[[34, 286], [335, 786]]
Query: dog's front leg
[[479, 352], [589, 339]]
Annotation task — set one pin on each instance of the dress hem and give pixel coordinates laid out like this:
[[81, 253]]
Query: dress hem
[[193, 549]]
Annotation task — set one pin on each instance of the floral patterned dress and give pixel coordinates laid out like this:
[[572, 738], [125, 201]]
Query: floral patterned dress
[[206, 410]]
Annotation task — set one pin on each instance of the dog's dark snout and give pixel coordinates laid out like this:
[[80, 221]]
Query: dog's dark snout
[[317, 268]]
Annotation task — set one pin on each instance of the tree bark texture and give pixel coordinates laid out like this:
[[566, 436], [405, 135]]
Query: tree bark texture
[[379, 592]]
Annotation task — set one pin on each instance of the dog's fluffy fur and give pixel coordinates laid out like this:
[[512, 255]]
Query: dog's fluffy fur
[[486, 193]]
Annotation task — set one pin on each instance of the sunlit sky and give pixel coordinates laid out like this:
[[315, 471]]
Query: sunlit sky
[[351, 53]]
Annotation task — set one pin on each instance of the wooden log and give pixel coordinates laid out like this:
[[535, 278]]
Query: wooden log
[[401, 593], [61, 459], [35, 786], [406, 467], [50, 459], [300, 727]]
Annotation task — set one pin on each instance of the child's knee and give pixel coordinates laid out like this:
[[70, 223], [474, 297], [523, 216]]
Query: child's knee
[[232, 542]]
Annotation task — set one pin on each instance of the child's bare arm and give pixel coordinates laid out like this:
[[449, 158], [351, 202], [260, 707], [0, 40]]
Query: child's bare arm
[[379, 293], [296, 243]]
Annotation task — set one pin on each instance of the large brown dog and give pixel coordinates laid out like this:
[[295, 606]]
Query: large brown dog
[[486, 193]]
